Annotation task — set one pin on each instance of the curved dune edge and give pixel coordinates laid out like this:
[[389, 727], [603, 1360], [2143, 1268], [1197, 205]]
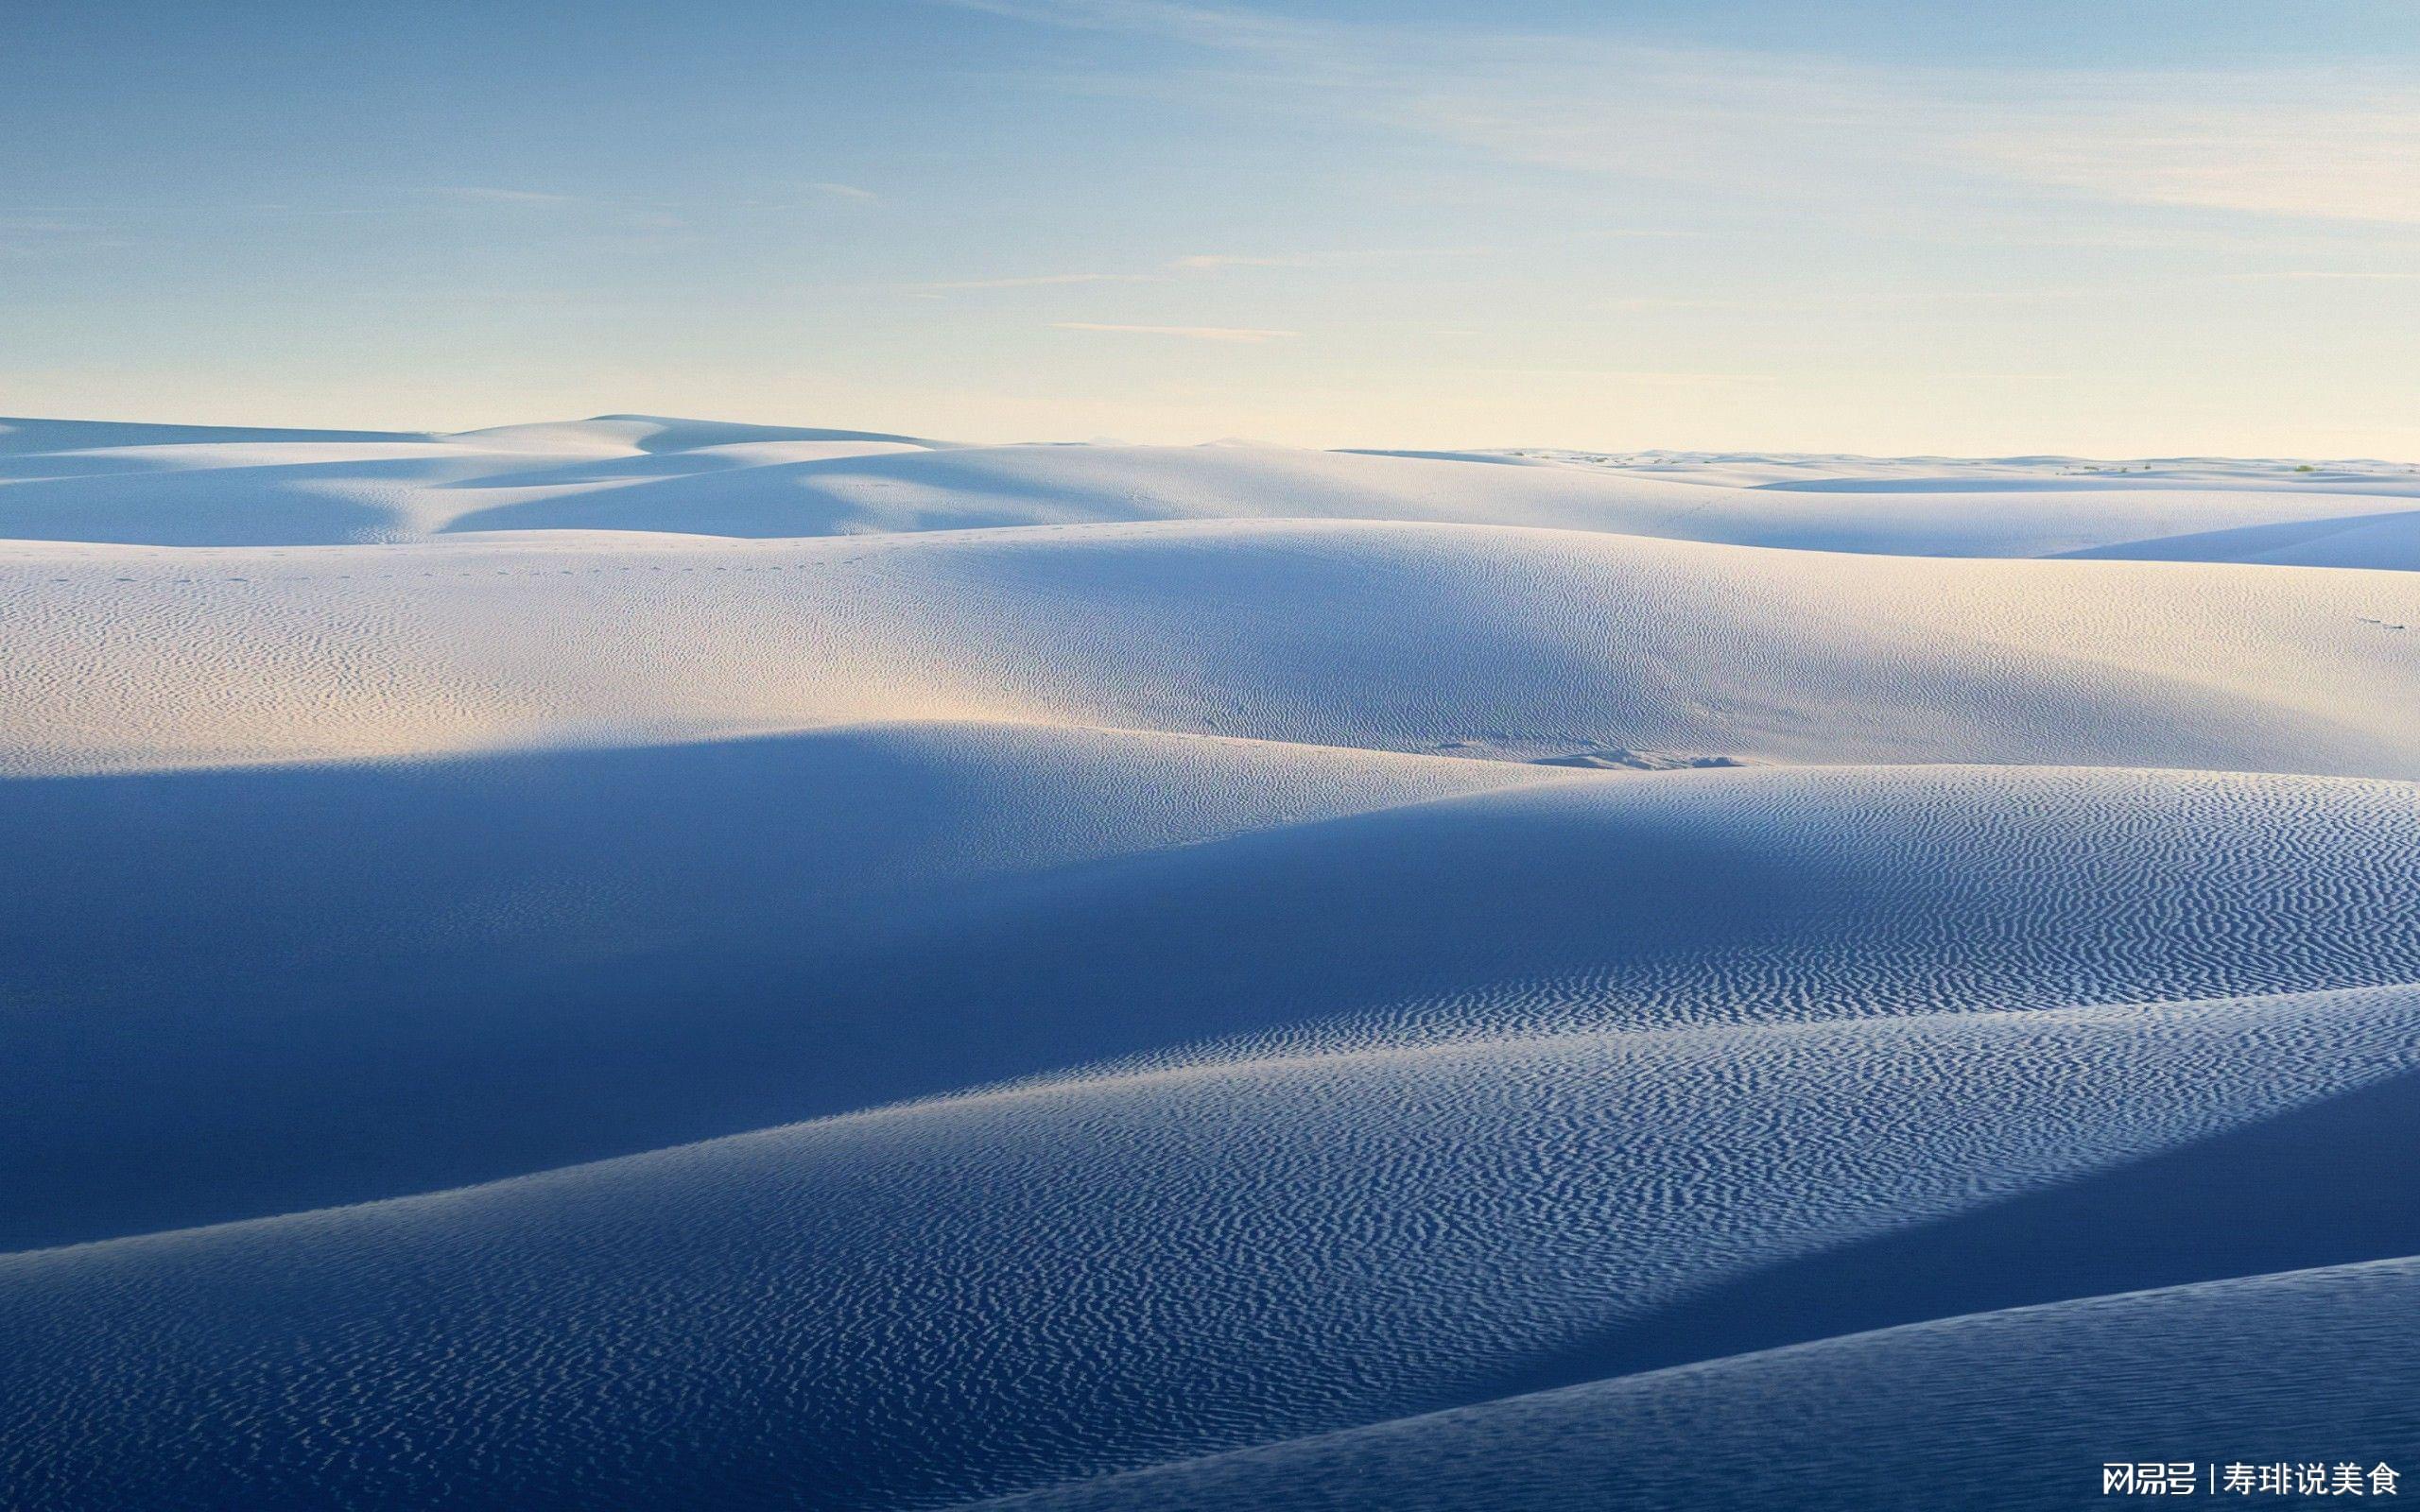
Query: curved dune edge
[[1463, 640], [650, 962], [198, 487], [2301, 1365], [784, 928], [752, 1274], [1214, 1063]]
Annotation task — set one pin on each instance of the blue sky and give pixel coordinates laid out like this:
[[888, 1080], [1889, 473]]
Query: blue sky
[[2108, 228]]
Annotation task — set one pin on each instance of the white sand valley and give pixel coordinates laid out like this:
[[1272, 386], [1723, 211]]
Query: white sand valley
[[644, 962]]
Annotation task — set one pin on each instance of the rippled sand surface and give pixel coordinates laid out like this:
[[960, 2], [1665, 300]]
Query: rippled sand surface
[[647, 963]]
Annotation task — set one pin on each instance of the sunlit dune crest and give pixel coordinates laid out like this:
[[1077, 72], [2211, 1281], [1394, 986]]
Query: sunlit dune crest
[[649, 962]]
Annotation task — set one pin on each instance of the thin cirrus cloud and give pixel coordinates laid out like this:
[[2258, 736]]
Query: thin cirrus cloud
[[2337, 147], [1631, 375], [1192, 263], [489, 195], [2327, 275], [28, 236], [2326, 144], [1032, 281], [1244, 334], [535, 199], [1211, 260]]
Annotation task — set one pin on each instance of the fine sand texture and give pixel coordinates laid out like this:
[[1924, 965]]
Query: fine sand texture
[[650, 963]]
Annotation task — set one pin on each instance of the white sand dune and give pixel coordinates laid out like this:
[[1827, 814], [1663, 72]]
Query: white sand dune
[[2257, 1370], [643, 962], [188, 486], [562, 957], [1461, 640], [1012, 1291]]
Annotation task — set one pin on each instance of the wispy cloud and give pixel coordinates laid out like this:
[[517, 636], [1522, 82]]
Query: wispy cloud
[[1648, 303], [1225, 29], [1631, 375], [489, 195], [1165, 272], [840, 191], [2329, 143], [1032, 281], [2342, 145], [1190, 332], [1211, 260], [37, 237], [2322, 275], [1860, 299]]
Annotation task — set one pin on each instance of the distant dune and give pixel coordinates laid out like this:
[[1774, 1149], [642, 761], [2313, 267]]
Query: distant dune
[[644, 962], [1461, 640], [188, 486]]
